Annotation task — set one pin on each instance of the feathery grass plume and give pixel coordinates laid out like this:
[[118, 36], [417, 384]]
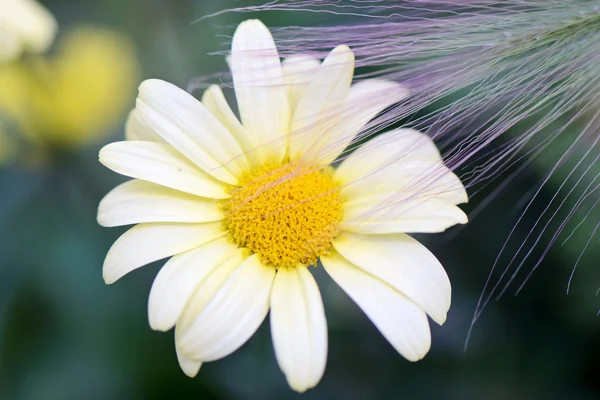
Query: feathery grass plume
[[501, 87]]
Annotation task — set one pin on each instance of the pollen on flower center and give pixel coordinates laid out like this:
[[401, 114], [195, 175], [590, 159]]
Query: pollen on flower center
[[285, 213]]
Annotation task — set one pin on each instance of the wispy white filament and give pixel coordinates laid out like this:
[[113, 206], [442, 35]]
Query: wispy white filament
[[500, 85]]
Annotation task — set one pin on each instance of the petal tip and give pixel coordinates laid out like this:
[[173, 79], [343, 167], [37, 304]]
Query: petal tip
[[151, 82], [251, 24], [211, 90], [108, 279], [440, 319], [160, 319], [105, 151], [463, 219], [342, 48], [341, 52], [251, 29], [102, 153], [110, 274], [100, 220], [299, 386], [189, 366], [149, 88], [417, 354], [157, 324], [190, 371], [416, 357]]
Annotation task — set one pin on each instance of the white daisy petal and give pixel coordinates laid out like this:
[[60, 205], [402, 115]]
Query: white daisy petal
[[398, 183], [179, 278], [260, 90], [410, 179], [210, 287], [298, 71], [224, 314], [146, 243], [298, 327], [394, 147], [136, 129], [403, 263], [365, 100], [189, 366], [404, 180], [385, 214], [187, 125], [161, 164], [398, 319], [214, 99], [137, 201], [318, 111]]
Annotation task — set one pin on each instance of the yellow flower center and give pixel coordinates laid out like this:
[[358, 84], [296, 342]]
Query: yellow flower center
[[285, 213]]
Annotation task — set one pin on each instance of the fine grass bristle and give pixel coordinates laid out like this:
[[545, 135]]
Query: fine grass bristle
[[500, 86]]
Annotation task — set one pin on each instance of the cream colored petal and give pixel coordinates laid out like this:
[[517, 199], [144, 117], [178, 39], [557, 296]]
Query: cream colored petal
[[398, 319], [223, 315], [398, 182], [385, 214], [146, 243], [260, 90], [404, 264], [29, 23], [409, 179], [365, 100], [189, 366], [298, 71], [394, 147], [210, 287], [298, 327], [214, 100], [190, 127], [161, 164], [318, 111], [136, 129], [179, 278], [139, 201]]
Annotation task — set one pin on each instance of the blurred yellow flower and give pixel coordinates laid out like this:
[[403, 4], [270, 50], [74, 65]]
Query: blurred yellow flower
[[25, 25], [75, 97]]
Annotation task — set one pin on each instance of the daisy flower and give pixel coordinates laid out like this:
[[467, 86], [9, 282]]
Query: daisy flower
[[25, 25], [246, 208]]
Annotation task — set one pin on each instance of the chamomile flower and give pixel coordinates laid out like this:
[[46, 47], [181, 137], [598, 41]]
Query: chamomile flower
[[25, 25], [246, 208]]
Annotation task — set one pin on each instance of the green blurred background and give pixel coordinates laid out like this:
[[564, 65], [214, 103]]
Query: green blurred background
[[64, 334]]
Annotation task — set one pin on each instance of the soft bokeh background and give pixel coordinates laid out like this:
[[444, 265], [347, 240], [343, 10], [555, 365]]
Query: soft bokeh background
[[65, 335]]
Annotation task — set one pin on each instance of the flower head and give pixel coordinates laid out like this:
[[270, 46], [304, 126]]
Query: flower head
[[245, 208], [25, 25], [73, 98]]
